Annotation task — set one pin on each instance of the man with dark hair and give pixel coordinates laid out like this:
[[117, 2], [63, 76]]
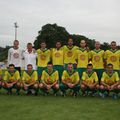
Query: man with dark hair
[[113, 56], [30, 80], [89, 81], [11, 80], [58, 58], [49, 80], [70, 52], [70, 80], [43, 57], [83, 56], [110, 82]]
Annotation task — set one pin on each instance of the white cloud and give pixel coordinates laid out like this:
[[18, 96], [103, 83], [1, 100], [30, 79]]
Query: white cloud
[[96, 19]]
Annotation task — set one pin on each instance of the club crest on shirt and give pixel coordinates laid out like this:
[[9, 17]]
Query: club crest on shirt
[[82, 57], [113, 58], [57, 54], [43, 57], [16, 55], [97, 58], [69, 53]]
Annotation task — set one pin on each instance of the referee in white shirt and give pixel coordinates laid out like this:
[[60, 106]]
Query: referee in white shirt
[[30, 56], [15, 56]]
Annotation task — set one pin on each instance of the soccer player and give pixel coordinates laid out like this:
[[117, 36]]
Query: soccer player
[[43, 57], [89, 81], [30, 80], [11, 80], [110, 82], [15, 55], [58, 58], [112, 56], [49, 80], [30, 56], [97, 58], [70, 80], [83, 56], [70, 53], [0, 78]]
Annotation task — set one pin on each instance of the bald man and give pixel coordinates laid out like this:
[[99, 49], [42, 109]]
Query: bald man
[[15, 55], [97, 58]]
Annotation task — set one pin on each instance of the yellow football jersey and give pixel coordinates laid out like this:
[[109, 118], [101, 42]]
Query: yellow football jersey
[[97, 57], [113, 57], [72, 77], [57, 56], [11, 77], [90, 78], [29, 77], [70, 54], [83, 58], [43, 57], [50, 78], [110, 79], [0, 72]]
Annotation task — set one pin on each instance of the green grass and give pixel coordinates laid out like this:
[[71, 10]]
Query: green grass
[[24, 107]]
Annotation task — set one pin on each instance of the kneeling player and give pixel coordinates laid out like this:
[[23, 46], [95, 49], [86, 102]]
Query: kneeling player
[[110, 82], [30, 80], [11, 80], [0, 78], [70, 80], [89, 81], [49, 80]]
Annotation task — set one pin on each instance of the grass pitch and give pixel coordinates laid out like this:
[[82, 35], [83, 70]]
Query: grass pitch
[[13, 107]]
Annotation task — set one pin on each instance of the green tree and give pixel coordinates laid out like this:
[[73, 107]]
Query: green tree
[[51, 33]]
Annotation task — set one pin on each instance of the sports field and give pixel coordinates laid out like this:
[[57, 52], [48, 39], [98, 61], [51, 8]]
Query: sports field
[[22, 107]]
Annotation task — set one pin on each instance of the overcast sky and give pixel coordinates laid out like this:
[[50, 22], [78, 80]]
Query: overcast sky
[[96, 19]]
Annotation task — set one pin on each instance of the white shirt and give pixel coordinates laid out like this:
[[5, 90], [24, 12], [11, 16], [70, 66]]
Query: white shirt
[[15, 57], [30, 58]]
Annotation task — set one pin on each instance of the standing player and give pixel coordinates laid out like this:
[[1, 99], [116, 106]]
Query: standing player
[[30, 56], [49, 79], [30, 80], [58, 58], [97, 58], [70, 80], [15, 55], [112, 56], [89, 80], [70, 53], [110, 82], [83, 56], [11, 80], [43, 57]]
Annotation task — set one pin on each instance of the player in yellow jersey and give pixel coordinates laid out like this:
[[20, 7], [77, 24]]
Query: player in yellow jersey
[[49, 80], [70, 80], [30, 80], [110, 82], [58, 58], [70, 53], [89, 81], [113, 56], [83, 56], [43, 58], [11, 80], [97, 58], [0, 78]]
